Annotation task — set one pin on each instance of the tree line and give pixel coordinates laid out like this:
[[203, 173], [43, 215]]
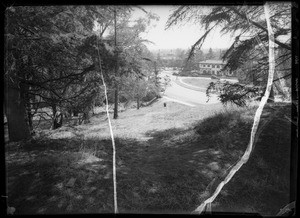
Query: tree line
[[52, 56], [178, 58]]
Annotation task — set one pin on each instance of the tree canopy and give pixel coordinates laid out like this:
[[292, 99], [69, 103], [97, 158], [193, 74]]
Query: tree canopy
[[52, 58]]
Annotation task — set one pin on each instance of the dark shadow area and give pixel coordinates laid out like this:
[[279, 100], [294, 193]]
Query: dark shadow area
[[150, 177], [262, 184], [39, 171]]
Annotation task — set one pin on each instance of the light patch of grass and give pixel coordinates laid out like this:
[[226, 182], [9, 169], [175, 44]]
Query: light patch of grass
[[134, 123], [201, 83]]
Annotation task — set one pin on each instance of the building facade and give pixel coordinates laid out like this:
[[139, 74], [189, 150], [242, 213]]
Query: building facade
[[214, 67]]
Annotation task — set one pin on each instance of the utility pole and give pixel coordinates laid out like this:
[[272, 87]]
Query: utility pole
[[116, 69]]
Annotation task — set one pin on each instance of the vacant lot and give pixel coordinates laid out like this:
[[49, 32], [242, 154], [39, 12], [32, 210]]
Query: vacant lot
[[166, 158]]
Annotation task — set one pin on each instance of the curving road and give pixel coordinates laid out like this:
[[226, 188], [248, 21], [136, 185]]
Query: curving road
[[186, 96]]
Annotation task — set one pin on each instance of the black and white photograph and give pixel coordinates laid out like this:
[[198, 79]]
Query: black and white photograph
[[150, 109]]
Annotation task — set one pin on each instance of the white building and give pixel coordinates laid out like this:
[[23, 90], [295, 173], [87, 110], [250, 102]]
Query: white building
[[213, 67]]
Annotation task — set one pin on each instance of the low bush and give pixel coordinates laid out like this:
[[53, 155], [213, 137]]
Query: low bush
[[220, 121], [149, 96]]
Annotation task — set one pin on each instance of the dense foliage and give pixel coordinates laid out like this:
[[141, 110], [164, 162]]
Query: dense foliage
[[53, 56]]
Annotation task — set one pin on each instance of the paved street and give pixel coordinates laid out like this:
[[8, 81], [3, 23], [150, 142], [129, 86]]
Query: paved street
[[186, 96]]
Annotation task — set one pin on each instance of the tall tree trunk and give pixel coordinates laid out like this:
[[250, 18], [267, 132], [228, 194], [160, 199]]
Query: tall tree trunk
[[116, 101], [54, 119], [16, 115], [116, 71], [138, 103], [29, 117], [15, 104]]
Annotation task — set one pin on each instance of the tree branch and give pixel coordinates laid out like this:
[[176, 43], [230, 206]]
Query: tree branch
[[260, 27]]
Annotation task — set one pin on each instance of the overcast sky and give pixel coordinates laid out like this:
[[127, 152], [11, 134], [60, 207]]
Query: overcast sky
[[181, 36]]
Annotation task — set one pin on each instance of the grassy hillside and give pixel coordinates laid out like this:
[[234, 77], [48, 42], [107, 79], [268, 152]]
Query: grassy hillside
[[166, 158]]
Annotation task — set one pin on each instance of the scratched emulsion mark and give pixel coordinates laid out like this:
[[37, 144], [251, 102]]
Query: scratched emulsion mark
[[245, 157], [111, 131]]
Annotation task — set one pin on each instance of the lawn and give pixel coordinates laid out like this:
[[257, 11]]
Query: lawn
[[199, 82], [166, 158]]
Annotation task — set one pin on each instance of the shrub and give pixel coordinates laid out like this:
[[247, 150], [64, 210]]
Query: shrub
[[217, 122], [149, 96], [227, 129]]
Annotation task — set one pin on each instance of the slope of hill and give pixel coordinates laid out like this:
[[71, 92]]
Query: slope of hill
[[166, 158]]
